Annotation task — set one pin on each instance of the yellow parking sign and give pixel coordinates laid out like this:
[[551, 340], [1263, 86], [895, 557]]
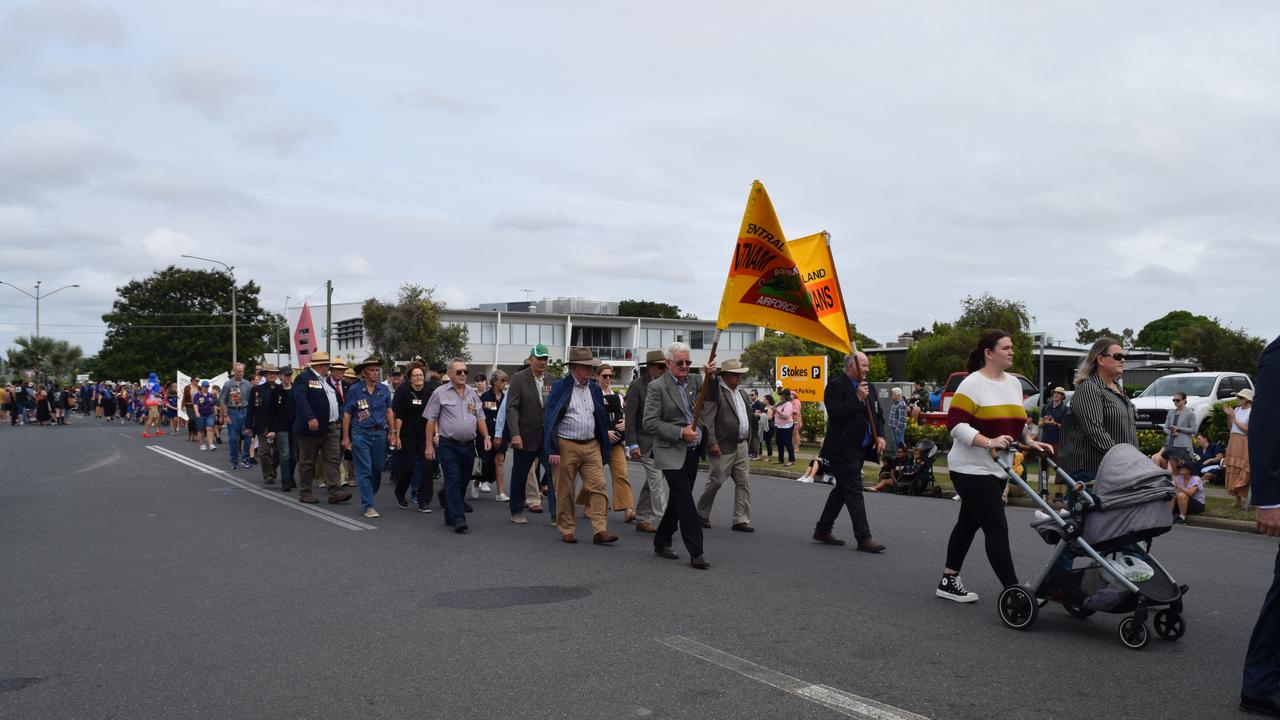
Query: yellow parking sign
[[805, 375]]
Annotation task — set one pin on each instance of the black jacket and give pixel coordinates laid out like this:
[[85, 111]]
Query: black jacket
[[255, 420], [847, 419], [1264, 427], [311, 403], [280, 410]]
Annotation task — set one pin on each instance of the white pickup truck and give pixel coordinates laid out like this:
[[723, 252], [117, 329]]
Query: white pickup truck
[[1203, 389]]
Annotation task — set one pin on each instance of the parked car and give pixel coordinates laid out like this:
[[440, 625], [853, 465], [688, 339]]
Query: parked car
[[1203, 389]]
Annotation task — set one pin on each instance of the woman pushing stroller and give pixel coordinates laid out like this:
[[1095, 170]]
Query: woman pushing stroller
[[986, 414]]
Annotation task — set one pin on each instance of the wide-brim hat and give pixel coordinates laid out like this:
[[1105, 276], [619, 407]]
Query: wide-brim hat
[[319, 357], [349, 374], [1060, 390], [1245, 394], [581, 356], [338, 362], [371, 360], [733, 366], [654, 357], [286, 370], [268, 368]]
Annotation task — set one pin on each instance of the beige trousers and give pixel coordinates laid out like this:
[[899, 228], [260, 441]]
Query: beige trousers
[[622, 499], [580, 459], [731, 464]]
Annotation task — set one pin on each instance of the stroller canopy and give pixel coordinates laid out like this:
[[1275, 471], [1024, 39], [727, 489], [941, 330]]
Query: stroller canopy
[[1126, 477]]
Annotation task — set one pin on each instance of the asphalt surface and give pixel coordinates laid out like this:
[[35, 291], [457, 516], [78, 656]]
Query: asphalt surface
[[134, 586]]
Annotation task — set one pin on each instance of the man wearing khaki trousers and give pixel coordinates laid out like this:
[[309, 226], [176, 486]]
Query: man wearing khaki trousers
[[575, 439], [729, 419]]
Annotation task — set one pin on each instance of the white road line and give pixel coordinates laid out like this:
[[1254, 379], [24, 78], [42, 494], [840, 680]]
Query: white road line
[[842, 702], [326, 515]]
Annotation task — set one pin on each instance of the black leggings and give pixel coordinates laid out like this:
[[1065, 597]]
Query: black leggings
[[981, 508]]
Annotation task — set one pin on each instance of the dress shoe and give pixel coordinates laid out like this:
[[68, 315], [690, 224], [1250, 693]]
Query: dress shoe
[[699, 563], [1261, 705], [460, 528], [666, 552], [870, 546], [646, 527], [466, 507], [743, 527], [340, 496], [827, 539], [603, 538], [705, 522], [569, 538], [309, 499], [629, 517]]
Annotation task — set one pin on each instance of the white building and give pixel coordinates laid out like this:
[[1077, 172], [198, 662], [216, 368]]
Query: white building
[[502, 338]]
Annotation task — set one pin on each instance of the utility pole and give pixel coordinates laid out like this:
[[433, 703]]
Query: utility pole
[[328, 317], [37, 297]]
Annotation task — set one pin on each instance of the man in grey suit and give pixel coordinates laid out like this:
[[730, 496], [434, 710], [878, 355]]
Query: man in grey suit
[[525, 398], [729, 420], [668, 414], [653, 494]]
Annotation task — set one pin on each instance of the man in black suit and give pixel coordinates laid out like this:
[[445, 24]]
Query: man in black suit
[[1260, 691], [855, 430]]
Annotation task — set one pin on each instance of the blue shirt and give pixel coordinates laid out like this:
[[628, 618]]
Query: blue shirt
[[1053, 433], [368, 410], [866, 439]]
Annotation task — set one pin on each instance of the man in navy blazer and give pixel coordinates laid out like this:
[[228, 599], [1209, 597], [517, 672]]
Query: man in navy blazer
[[575, 441], [318, 425], [1260, 691], [855, 431]]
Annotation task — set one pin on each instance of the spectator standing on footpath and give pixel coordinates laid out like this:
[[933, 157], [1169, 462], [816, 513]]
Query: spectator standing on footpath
[[1260, 688], [368, 428], [652, 502], [454, 415], [728, 420], [897, 418], [784, 421], [234, 402], [767, 420], [756, 433], [1178, 428], [1236, 460]]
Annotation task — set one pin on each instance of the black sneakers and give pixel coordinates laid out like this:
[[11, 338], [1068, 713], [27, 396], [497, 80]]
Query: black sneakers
[[951, 588]]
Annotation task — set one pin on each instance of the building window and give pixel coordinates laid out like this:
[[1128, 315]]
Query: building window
[[349, 333]]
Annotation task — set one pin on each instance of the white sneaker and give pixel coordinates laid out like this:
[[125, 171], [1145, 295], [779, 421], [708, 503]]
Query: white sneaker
[[950, 588], [486, 487], [955, 497], [474, 492], [371, 513], [502, 497], [804, 479], [204, 447]]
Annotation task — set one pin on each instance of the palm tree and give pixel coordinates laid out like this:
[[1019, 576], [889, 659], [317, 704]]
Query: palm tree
[[44, 355]]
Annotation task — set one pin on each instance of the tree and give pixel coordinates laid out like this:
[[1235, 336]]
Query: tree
[[1220, 348], [1087, 336], [648, 309], [180, 319], [862, 341], [1160, 334], [987, 311], [47, 358], [946, 350], [411, 326], [877, 368]]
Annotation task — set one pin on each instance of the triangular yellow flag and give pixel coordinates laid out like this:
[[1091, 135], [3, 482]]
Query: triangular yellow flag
[[764, 286], [812, 254]]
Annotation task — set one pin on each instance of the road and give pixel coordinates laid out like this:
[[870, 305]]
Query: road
[[136, 585]]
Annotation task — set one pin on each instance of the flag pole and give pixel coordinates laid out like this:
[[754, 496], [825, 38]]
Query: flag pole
[[702, 393], [853, 343]]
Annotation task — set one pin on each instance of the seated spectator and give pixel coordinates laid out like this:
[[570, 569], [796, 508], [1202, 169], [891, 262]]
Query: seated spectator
[[1189, 489], [819, 470], [890, 468], [1209, 466]]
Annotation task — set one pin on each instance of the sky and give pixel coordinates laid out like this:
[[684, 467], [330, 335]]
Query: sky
[[1112, 161]]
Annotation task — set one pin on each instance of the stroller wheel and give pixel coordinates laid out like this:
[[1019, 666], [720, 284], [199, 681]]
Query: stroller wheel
[[936, 492], [1133, 633], [1078, 612], [1169, 625], [1018, 609]]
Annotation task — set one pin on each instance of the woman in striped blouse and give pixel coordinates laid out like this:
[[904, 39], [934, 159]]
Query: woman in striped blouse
[[986, 415], [1100, 416]]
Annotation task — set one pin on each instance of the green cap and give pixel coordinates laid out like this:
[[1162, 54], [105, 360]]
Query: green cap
[[539, 351]]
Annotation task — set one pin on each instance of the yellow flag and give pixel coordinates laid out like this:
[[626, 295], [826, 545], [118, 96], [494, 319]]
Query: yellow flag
[[765, 287], [812, 254]]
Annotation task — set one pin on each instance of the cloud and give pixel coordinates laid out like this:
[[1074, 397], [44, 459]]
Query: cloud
[[532, 221], [73, 21], [166, 244], [434, 100], [209, 83], [49, 154], [285, 136], [188, 191]]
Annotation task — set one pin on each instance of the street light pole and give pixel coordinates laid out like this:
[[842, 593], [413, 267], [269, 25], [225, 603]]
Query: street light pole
[[37, 297], [231, 271]]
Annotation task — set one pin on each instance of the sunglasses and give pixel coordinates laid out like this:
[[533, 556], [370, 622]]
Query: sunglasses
[[606, 376], [460, 372], [1118, 357], [682, 363]]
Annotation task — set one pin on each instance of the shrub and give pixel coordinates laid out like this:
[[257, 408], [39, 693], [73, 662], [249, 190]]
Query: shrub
[[1218, 429], [1150, 441], [813, 421], [938, 434]]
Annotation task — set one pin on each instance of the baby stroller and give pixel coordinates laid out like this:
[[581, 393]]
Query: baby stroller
[[918, 479], [1102, 560]]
